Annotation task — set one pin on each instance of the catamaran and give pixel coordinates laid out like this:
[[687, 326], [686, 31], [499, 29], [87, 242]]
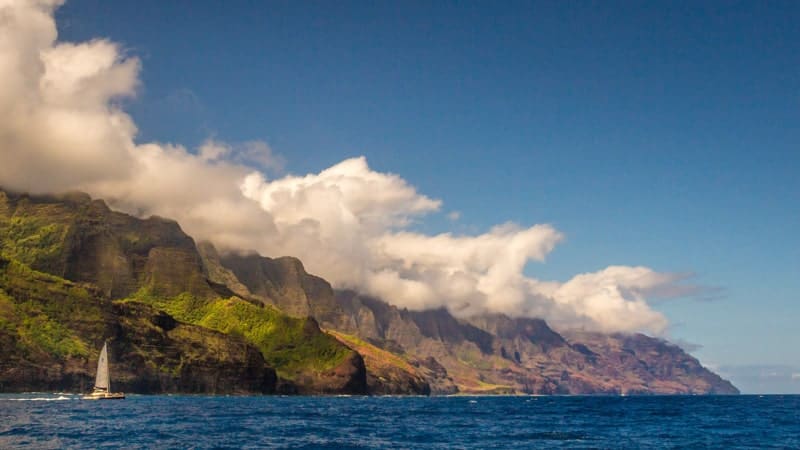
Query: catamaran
[[102, 385]]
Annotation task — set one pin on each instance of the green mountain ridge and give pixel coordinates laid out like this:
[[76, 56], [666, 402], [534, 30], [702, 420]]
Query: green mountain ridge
[[183, 317], [101, 257]]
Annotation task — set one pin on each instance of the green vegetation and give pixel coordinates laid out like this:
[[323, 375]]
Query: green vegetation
[[38, 322], [289, 344], [42, 333], [48, 294], [8, 312], [33, 241]]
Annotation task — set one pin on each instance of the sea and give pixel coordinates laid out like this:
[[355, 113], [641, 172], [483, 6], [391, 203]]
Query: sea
[[42, 421]]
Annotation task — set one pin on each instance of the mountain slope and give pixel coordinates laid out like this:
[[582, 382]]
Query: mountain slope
[[152, 261], [284, 284], [185, 318], [487, 354], [51, 331], [80, 239], [495, 353]]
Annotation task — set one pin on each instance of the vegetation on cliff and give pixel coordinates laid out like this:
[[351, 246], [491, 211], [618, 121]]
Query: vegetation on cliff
[[90, 271], [289, 344], [51, 330]]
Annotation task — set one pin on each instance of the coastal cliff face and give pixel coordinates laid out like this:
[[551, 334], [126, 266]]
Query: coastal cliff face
[[80, 239], [51, 331], [284, 284], [181, 317], [643, 364], [433, 351], [141, 269], [498, 354]]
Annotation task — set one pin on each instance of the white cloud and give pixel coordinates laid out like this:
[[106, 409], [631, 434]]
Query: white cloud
[[61, 128]]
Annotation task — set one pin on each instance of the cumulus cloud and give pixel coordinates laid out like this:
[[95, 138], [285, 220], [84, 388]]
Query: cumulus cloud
[[62, 128]]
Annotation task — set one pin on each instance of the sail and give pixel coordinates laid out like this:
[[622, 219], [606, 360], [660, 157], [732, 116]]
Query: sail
[[102, 382]]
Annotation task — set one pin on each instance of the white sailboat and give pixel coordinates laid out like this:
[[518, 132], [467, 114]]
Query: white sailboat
[[102, 383]]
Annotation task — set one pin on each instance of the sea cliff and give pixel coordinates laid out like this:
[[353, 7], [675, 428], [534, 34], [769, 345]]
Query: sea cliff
[[182, 317]]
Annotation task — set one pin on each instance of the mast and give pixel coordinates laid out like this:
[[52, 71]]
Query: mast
[[102, 383]]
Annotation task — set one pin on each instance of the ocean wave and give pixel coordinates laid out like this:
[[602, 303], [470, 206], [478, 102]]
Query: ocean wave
[[42, 399]]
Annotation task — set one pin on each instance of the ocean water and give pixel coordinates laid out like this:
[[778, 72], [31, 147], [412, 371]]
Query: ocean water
[[65, 421]]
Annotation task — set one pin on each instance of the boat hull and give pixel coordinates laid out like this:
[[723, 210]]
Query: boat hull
[[105, 396]]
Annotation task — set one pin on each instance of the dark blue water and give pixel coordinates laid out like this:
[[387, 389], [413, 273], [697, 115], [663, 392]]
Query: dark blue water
[[52, 421]]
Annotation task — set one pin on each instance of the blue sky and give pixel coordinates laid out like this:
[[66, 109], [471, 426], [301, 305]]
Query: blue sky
[[657, 134]]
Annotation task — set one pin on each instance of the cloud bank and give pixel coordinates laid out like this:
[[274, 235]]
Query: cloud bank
[[62, 128]]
